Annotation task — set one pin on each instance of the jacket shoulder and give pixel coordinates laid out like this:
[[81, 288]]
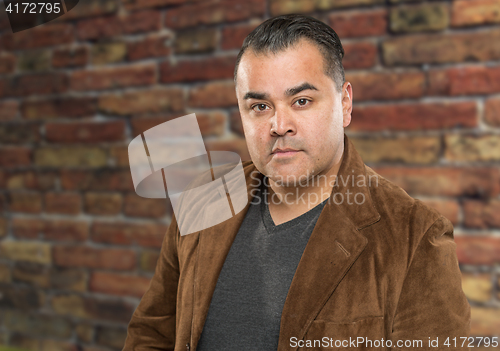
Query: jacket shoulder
[[394, 202]]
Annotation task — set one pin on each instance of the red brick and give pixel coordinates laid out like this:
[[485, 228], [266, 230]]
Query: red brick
[[448, 208], [151, 46], [492, 112], [482, 214], [210, 12], [113, 78], [15, 157], [359, 55], [359, 24], [59, 108], [100, 180], [90, 8], [478, 250], [416, 116], [442, 48], [124, 233], [469, 13], [85, 132], [281, 7], [116, 25], [62, 203], [35, 84], [26, 202], [141, 21], [46, 35], [386, 85], [119, 284], [66, 230], [103, 204], [210, 123], [70, 57], [482, 182], [217, 94], [237, 145], [28, 228], [9, 110], [135, 5], [232, 36], [7, 63], [465, 80], [136, 206], [99, 27], [193, 70], [82, 256], [141, 124], [143, 101], [19, 133]]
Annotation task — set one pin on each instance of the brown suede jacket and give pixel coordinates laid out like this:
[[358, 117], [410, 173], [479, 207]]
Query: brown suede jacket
[[383, 269]]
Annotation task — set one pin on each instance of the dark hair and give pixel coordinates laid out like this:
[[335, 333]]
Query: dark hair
[[279, 33]]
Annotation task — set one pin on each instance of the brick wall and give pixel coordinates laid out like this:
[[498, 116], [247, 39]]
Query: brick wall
[[78, 246]]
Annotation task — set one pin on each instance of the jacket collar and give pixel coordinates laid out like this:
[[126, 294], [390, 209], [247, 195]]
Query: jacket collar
[[334, 245]]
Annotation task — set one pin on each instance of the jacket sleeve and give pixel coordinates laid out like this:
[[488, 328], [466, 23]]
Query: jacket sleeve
[[432, 303], [152, 326]]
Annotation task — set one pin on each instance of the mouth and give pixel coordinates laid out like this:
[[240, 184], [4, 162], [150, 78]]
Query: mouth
[[285, 153]]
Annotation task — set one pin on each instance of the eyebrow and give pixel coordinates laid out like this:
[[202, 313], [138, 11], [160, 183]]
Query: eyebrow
[[289, 92]]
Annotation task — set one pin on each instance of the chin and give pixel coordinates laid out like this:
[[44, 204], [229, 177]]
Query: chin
[[290, 179]]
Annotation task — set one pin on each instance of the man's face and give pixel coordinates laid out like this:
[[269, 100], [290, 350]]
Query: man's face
[[287, 101]]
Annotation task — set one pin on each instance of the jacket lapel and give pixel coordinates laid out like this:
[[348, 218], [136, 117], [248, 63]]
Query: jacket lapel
[[333, 247]]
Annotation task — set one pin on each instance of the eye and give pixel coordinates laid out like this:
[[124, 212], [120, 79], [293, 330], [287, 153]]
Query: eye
[[259, 107], [302, 102]]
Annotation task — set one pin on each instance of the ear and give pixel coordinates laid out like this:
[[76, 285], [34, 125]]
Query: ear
[[346, 103]]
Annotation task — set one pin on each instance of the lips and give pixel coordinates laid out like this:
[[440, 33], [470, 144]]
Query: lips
[[283, 150]]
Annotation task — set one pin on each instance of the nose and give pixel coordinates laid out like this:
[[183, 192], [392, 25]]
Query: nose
[[282, 123]]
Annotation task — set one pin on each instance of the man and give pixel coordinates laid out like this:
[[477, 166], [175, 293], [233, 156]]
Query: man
[[357, 264]]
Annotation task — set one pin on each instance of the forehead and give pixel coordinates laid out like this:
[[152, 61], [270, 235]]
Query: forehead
[[298, 63]]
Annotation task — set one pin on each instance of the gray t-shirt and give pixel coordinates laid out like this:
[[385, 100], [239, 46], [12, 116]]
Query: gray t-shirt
[[245, 311]]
